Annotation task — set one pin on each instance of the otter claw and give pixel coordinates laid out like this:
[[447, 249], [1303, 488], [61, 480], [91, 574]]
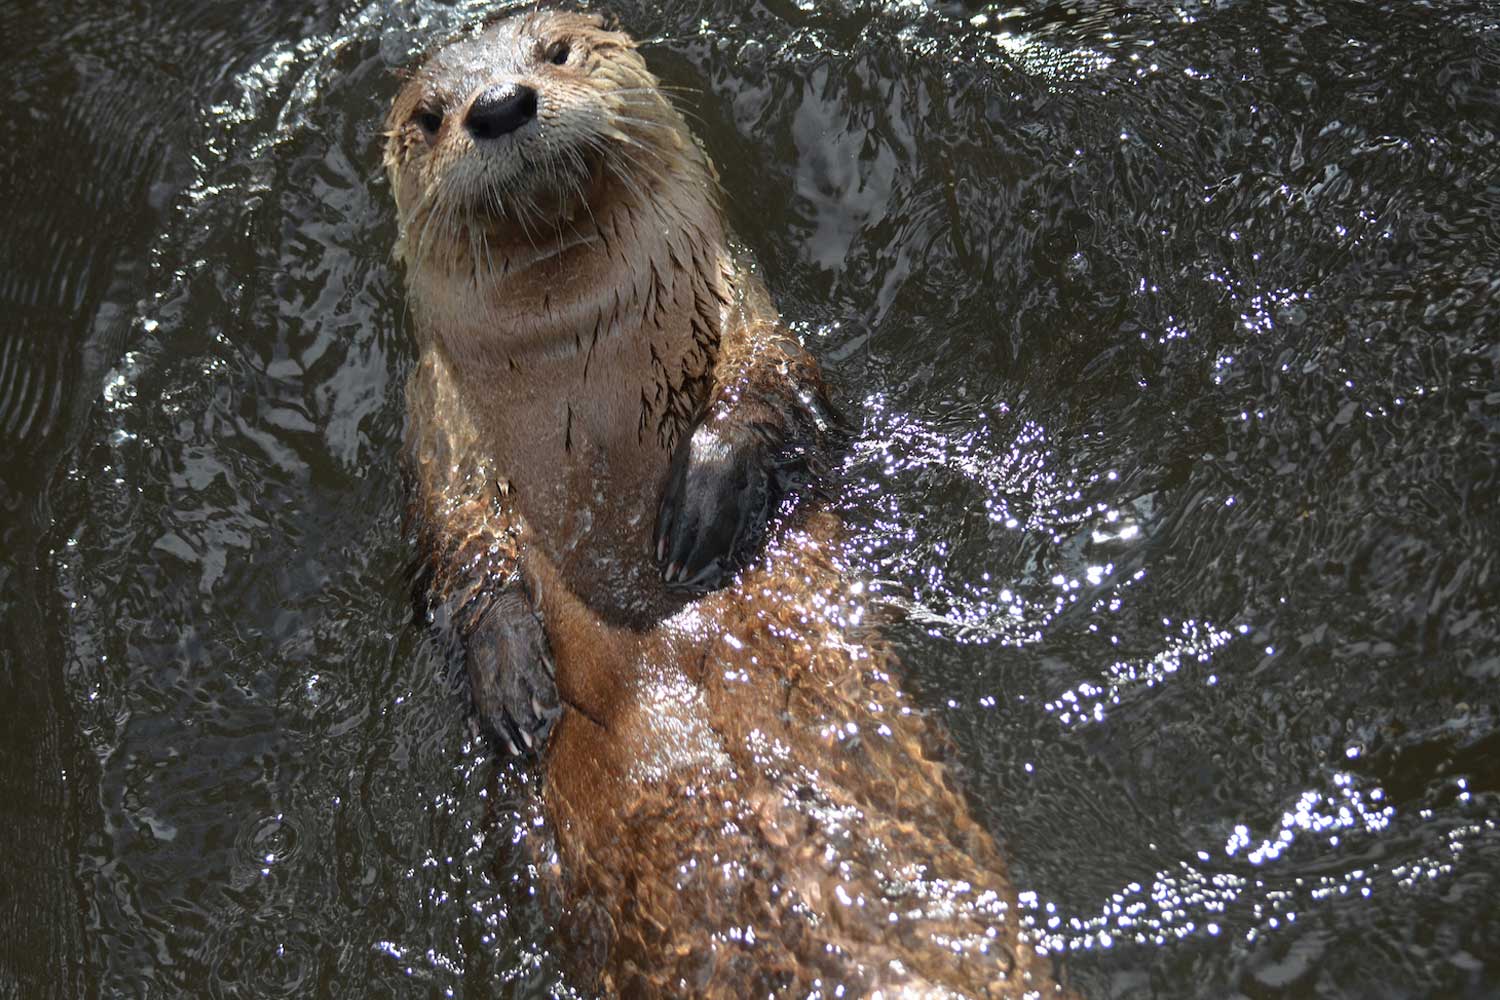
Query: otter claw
[[705, 580]]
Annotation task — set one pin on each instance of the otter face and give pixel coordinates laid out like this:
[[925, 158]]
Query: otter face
[[509, 132]]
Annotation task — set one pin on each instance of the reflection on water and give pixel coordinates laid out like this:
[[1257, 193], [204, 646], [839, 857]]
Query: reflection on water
[[1168, 331]]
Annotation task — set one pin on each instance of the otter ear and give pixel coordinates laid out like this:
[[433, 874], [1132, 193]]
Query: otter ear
[[540, 7], [494, 17], [586, 20]]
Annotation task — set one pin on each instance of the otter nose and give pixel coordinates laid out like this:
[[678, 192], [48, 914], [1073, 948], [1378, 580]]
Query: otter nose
[[500, 109]]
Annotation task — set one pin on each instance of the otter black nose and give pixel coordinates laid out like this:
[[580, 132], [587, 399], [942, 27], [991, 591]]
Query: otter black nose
[[500, 110]]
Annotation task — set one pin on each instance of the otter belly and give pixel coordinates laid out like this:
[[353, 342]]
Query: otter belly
[[760, 809]]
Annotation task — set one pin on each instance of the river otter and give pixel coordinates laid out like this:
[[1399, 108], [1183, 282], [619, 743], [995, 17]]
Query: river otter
[[742, 799]]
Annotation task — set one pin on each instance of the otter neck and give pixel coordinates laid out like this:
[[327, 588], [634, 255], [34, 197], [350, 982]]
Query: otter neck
[[583, 372]]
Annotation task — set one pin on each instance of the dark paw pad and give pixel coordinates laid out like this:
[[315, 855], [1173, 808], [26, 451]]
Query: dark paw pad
[[511, 674], [723, 488]]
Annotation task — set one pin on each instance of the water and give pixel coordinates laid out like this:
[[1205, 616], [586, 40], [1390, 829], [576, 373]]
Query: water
[[1169, 330]]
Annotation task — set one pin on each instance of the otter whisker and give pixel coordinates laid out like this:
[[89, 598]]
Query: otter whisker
[[643, 124], [648, 151], [650, 103], [581, 192], [660, 87], [431, 216], [576, 186], [676, 106], [623, 176]]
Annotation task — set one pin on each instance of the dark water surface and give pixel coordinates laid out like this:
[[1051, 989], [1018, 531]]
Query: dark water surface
[[1171, 335]]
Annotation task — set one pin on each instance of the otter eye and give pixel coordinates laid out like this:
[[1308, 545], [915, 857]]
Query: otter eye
[[429, 121], [558, 52]]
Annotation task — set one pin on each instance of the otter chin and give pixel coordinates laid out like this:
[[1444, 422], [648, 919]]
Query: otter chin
[[616, 455]]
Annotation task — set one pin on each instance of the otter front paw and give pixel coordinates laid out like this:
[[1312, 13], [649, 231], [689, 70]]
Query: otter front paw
[[725, 483], [511, 674]]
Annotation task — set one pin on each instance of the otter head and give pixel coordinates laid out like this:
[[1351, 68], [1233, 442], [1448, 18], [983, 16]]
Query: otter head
[[516, 142]]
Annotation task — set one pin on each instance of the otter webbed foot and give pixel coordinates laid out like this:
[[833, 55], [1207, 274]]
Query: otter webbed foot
[[726, 483], [511, 675], [765, 436], [719, 498]]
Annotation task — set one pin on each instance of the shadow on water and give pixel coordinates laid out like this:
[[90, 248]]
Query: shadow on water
[[1170, 330]]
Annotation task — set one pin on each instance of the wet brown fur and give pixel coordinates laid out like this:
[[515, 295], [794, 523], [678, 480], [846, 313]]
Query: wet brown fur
[[743, 800]]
